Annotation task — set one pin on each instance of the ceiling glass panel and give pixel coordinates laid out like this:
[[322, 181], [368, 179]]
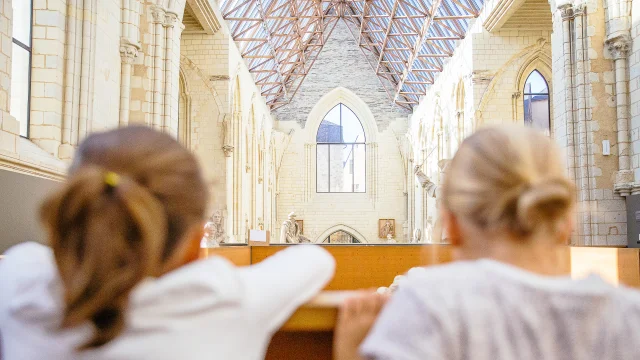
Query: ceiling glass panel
[[399, 35]]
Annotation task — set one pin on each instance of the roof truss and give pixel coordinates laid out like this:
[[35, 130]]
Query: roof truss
[[406, 42]]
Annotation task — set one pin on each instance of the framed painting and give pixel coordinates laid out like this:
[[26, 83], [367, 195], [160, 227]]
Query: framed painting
[[386, 227]]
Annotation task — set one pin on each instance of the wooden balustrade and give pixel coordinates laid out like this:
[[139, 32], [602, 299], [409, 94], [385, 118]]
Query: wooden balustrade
[[308, 334]]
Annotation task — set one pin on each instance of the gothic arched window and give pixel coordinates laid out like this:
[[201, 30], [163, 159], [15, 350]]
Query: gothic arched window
[[340, 237], [340, 153], [536, 102]]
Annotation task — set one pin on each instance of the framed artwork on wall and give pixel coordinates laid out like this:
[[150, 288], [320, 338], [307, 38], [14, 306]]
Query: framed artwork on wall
[[386, 227]]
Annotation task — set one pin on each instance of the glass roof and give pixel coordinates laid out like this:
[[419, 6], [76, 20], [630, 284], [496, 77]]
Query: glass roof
[[410, 40]]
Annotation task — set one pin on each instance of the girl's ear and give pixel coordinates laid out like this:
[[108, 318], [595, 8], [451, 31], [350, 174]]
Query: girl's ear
[[565, 229], [189, 249], [452, 228]]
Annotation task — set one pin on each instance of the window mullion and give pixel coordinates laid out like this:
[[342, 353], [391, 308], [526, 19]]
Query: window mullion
[[329, 167], [353, 170]]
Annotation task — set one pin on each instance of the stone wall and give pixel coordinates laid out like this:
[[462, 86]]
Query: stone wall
[[495, 66]]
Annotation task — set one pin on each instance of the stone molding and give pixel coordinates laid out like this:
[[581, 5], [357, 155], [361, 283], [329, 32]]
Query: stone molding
[[158, 14], [11, 164], [170, 19], [624, 184], [619, 46], [566, 12], [128, 51]]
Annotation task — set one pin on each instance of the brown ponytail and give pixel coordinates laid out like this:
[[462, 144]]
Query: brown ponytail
[[125, 208]]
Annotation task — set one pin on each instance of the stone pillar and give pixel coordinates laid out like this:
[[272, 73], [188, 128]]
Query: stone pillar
[[619, 47], [128, 53], [158, 15], [169, 23], [71, 78], [237, 182], [87, 68], [567, 48], [129, 49]]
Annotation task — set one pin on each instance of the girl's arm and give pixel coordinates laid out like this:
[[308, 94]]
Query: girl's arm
[[277, 286]]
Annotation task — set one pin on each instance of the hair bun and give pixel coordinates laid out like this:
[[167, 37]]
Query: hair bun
[[542, 204]]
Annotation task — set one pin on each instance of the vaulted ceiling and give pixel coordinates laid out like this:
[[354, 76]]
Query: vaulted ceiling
[[405, 41]]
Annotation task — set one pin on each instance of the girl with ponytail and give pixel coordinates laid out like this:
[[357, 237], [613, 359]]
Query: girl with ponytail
[[121, 280], [506, 204]]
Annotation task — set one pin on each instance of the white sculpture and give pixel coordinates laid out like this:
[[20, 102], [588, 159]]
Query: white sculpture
[[390, 239], [426, 183], [214, 231], [290, 231], [417, 236]]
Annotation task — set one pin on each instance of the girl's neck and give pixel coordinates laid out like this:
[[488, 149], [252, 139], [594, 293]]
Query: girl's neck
[[540, 257]]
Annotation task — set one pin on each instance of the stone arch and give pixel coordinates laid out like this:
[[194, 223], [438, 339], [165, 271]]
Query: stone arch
[[341, 227], [535, 62], [353, 101], [186, 63], [538, 54]]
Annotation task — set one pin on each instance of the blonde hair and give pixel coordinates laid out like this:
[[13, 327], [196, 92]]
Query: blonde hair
[[509, 178], [131, 196]]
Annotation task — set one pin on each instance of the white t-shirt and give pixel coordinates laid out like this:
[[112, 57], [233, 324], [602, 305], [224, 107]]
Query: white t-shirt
[[208, 309], [486, 310]]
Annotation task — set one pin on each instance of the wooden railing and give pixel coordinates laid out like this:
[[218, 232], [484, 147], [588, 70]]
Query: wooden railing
[[309, 332]]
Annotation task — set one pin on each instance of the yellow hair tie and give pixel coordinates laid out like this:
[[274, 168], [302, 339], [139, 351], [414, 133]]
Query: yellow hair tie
[[112, 179]]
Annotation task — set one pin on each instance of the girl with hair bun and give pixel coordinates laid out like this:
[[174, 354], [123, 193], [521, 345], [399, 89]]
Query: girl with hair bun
[[121, 280], [506, 204]]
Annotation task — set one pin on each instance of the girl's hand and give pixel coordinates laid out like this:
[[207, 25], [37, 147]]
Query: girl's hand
[[356, 317]]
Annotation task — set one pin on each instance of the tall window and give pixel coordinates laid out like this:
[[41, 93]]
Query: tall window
[[21, 63], [536, 102], [340, 237], [340, 153]]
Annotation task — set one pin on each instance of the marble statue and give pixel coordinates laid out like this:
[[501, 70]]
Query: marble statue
[[426, 183], [290, 231], [390, 239], [214, 231], [417, 236]]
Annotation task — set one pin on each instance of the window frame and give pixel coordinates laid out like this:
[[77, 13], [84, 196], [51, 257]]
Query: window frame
[[29, 49], [352, 144], [525, 94]]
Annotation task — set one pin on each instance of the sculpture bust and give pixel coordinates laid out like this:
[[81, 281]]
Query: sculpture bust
[[390, 239], [214, 231], [290, 231]]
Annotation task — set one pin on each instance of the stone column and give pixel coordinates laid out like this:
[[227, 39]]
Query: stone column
[[158, 15], [228, 148], [566, 11], [128, 53], [619, 47], [169, 23], [72, 79], [87, 67]]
